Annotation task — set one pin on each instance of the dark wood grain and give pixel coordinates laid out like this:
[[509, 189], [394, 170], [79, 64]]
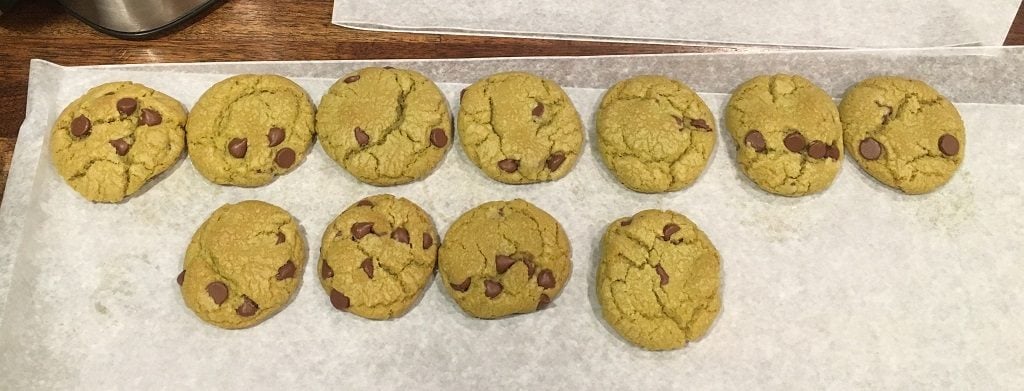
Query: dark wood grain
[[253, 30]]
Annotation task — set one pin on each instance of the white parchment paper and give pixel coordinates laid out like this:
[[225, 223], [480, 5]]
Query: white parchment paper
[[829, 23], [858, 287]]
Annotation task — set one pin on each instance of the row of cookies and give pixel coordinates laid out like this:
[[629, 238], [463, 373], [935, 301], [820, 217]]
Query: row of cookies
[[390, 126], [658, 279]]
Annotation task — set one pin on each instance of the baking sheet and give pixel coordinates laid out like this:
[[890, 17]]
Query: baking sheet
[[833, 23], [858, 287]]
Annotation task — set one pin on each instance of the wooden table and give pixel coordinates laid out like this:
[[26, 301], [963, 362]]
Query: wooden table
[[253, 30]]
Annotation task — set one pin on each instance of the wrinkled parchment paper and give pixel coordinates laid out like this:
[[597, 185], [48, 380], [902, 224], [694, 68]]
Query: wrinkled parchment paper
[[862, 23], [858, 287]]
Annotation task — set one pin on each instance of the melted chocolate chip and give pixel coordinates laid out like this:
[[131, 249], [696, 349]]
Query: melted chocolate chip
[[503, 262], [80, 126], [285, 157], [361, 137], [668, 230], [427, 240], [150, 117], [700, 124], [794, 142], [285, 271], [949, 145], [367, 266], [326, 271], [554, 161], [339, 300], [438, 138], [492, 289], [120, 146], [275, 136], [365, 203], [833, 152], [509, 165], [181, 278], [661, 274], [538, 110], [126, 106], [248, 307], [280, 237], [755, 140], [352, 79], [463, 286], [546, 279], [870, 149], [626, 222], [543, 302], [817, 149], [400, 235], [237, 147], [217, 291], [361, 229]]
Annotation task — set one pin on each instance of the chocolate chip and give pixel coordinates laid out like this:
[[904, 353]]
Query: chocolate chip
[[795, 142], [280, 237], [364, 203], [285, 157], [150, 117], [543, 302], [662, 274], [700, 124], [275, 136], [817, 149], [367, 266], [949, 145], [217, 291], [530, 267], [326, 271], [237, 147], [833, 152], [666, 233], [626, 222], [870, 149], [464, 286], [126, 106], [248, 307], [538, 110], [352, 79], [339, 300], [80, 126], [546, 279], [285, 271], [361, 137], [361, 229], [389, 67], [755, 140], [509, 165], [427, 240], [555, 160], [120, 146], [492, 289], [503, 262], [438, 138], [181, 278], [887, 116], [400, 235]]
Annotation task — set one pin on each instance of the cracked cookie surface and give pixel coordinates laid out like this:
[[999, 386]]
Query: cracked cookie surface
[[108, 143], [247, 129], [377, 256], [503, 258], [787, 134], [243, 264], [658, 281], [519, 128], [386, 126], [655, 134], [903, 133]]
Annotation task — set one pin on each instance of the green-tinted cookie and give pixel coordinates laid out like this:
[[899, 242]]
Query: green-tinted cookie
[[787, 134], [115, 138], [903, 133], [243, 264], [658, 280], [519, 128], [377, 256], [385, 126], [247, 129], [654, 133], [503, 258]]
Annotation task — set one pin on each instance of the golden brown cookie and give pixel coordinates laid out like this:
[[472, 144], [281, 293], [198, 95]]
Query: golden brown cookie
[[377, 256], [503, 258]]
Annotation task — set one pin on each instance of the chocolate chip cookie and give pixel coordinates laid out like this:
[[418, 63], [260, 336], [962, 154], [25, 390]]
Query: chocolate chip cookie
[[503, 258], [519, 128], [115, 138], [377, 256], [248, 129], [787, 134], [655, 134], [243, 264], [903, 133], [386, 126], [659, 279]]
